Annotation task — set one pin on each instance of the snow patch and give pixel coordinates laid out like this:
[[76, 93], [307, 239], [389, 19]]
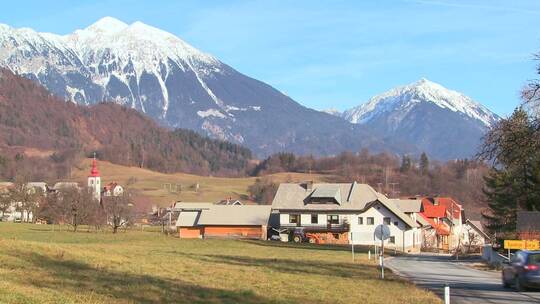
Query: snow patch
[[210, 112]]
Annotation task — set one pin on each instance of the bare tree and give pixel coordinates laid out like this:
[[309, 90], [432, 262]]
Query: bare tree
[[5, 201], [473, 238], [71, 206], [118, 210]]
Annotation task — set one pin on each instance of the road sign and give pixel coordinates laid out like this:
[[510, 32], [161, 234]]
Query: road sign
[[382, 232], [522, 244]]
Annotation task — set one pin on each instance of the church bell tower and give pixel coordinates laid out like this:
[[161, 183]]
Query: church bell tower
[[94, 180]]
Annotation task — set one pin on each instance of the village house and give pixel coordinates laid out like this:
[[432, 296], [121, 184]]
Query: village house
[[446, 218], [112, 189], [474, 236], [208, 220], [343, 213]]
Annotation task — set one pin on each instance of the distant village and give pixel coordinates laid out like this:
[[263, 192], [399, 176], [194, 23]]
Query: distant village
[[319, 213]]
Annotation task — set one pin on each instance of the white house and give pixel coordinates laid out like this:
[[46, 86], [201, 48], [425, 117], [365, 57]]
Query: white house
[[16, 211], [112, 189], [474, 236], [343, 213]]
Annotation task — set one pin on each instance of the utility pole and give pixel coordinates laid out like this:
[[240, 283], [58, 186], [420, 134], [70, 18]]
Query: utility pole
[[393, 188]]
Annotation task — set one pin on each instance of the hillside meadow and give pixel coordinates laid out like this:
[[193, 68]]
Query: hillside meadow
[[163, 189], [39, 265]]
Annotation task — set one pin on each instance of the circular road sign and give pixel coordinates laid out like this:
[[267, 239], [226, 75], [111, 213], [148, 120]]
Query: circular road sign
[[382, 232]]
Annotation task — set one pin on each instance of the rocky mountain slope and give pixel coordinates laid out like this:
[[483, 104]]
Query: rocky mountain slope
[[159, 74]]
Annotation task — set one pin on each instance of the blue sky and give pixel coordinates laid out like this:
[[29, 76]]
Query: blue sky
[[336, 54]]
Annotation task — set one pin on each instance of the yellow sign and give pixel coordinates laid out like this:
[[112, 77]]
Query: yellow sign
[[522, 244]]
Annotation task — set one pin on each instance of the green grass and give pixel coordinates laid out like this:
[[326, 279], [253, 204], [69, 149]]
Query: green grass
[[38, 265]]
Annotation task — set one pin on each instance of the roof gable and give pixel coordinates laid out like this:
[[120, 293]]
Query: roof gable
[[352, 197]]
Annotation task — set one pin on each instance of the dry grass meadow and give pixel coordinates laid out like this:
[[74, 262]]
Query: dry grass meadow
[[39, 265], [162, 189]]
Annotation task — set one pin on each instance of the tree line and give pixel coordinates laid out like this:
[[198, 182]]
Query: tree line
[[396, 176], [512, 147], [43, 136]]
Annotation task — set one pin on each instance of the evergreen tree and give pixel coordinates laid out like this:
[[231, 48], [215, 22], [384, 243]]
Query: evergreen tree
[[514, 182], [424, 163], [405, 164]]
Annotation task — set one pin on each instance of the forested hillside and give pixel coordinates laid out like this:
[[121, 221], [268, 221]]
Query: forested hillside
[[395, 176], [43, 135]]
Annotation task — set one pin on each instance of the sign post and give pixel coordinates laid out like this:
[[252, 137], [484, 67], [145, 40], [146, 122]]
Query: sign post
[[352, 246], [382, 232]]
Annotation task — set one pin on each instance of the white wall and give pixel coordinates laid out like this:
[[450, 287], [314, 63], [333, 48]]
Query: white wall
[[364, 234], [305, 218], [404, 235]]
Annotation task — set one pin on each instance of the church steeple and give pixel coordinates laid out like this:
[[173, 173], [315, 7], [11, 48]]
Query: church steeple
[[94, 172], [94, 180]]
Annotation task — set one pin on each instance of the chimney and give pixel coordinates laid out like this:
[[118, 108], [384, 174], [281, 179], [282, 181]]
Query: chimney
[[309, 186]]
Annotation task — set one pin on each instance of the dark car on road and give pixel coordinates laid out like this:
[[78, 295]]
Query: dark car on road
[[522, 271]]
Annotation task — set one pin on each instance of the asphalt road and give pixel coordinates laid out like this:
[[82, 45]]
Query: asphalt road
[[467, 285]]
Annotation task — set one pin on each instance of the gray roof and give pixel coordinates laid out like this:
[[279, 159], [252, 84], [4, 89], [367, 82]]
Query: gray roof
[[188, 218], [528, 221], [327, 191], [192, 206], [351, 197], [477, 225], [422, 221], [65, 185], [248, 215], [207, 214], [408, 205]]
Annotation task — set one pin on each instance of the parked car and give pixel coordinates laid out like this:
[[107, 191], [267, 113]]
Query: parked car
[[522, 271]]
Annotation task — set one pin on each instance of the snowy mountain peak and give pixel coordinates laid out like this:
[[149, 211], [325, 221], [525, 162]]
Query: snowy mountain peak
[[107, 25], [403, 99]]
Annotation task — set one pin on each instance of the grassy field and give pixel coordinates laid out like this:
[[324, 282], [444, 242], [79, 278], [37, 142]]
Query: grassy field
[[157, 186], [38, 265]]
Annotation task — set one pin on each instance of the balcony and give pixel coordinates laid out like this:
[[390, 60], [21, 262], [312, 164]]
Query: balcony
[[344, 227]]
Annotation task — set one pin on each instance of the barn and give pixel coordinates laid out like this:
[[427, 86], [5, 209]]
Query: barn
[[207, 220]]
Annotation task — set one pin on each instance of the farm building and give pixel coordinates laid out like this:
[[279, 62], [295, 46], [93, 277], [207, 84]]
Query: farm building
[[343, 213], [208, 220]]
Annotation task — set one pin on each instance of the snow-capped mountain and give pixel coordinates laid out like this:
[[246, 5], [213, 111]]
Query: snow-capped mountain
[[157, 73], [437, 120]]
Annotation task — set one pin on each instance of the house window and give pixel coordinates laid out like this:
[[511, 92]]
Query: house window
[[360, 220], [386, 221], [392, 240], [314, 218], [370, 221], [396, 223], [294, 218], [333, 219]]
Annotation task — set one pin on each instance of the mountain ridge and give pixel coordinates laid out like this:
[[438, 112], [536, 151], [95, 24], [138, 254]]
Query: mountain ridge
[[422, 90], [110, 61], [439, 121]]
